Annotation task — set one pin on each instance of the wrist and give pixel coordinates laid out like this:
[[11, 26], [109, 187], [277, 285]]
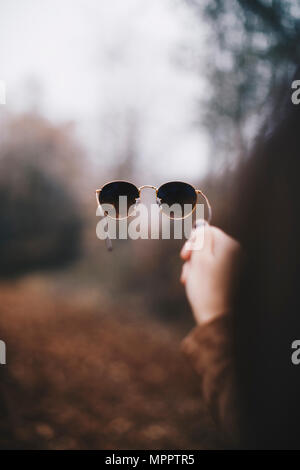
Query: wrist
[[204, 316]]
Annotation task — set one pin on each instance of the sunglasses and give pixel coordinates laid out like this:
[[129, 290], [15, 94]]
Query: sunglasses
[[174, 192]]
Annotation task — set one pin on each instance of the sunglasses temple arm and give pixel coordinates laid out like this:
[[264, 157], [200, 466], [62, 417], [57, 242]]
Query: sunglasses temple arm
[[108, 243], [208, 205]]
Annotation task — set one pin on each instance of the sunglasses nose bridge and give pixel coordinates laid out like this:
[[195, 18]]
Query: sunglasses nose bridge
[[149, 186]]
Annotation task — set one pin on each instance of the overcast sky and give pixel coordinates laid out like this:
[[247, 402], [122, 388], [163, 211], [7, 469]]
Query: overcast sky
[[91, 61]]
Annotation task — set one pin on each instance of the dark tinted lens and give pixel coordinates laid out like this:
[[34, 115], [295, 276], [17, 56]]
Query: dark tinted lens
[[111, 193], [180, 194]]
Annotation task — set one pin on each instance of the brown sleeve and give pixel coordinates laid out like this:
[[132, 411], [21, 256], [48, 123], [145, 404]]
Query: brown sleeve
[[209, 348]]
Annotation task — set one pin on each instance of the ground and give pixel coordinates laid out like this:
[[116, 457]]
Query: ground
[[84, 372]]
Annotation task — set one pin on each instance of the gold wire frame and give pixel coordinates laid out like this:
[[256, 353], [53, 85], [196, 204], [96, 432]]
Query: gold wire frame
[[150, 186]]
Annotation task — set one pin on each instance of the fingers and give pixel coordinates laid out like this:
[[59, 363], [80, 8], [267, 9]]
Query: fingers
[[201, 238], [184, 272], [223, 243], [185, 252], [209, 240]]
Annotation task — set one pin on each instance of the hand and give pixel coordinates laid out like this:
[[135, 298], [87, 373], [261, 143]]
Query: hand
[[207, 272]]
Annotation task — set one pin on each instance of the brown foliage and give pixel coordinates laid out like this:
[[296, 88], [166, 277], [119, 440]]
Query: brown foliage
[[85, 373]]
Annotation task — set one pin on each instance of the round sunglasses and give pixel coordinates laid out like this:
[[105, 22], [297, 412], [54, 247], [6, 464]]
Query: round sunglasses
[[167, 195]]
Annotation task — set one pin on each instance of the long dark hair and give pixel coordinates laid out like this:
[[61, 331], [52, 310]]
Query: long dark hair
[[267, 303]]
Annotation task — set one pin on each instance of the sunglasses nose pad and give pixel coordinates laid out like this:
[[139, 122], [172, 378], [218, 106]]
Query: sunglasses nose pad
[[159, 204], [131, 211]]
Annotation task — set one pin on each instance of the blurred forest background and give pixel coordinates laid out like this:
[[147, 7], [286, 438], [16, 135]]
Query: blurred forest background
[[99, 91]]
